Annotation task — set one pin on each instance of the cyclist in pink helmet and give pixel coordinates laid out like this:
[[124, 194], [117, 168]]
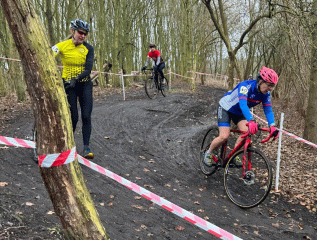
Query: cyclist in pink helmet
[[269, 75], [235, 106]]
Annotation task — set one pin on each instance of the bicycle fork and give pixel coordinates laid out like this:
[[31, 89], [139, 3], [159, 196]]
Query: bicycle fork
[[244, 159]]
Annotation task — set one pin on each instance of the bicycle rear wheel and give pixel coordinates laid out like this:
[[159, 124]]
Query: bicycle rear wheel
[[151, 88], [251, 190], [164, 87], [210, 135]]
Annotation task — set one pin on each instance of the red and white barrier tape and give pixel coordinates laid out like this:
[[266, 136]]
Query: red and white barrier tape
[[117, 74], [16, 142], [290, 134], [57, 159], [199, 73], [11, 59], [50, 160], [180, 75], [171, 207], [209, 74]]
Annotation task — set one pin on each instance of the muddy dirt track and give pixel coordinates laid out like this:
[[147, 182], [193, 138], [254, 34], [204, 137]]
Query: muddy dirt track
[[155, 144]]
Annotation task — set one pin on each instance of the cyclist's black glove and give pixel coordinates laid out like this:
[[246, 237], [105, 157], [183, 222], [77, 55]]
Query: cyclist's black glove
[[143, 68], [71, 83], [155, 68]]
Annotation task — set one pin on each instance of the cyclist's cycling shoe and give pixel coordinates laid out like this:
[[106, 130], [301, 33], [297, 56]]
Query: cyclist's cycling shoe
[[208, 159], [87, 153], [237, 161]]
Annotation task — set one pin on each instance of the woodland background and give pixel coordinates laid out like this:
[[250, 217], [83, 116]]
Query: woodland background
[[234, 38]]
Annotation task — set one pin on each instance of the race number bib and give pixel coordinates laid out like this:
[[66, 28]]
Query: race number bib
[[243, 90], [55, 49]]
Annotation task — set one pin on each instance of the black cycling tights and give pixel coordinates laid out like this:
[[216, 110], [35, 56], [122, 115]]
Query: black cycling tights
[[82, 91], [160, 68]]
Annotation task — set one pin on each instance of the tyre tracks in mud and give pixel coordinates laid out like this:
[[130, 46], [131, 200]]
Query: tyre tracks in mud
[[155, 144]]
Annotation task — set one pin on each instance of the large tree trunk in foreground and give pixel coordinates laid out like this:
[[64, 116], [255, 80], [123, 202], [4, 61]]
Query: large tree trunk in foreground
[[311, 116], [65, 184]]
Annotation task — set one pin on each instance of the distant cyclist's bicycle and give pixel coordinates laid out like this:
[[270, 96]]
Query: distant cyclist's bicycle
[[247, 184], [153, 87]]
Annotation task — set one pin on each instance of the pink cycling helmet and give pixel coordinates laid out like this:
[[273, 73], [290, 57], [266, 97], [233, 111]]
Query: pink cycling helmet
[[269, 75]]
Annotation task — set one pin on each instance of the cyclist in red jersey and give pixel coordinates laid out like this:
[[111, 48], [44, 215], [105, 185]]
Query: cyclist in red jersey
[[158, 62]]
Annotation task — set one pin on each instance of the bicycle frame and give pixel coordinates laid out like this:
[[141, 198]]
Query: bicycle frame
[[246, 186], [245, 143], [158, 81]]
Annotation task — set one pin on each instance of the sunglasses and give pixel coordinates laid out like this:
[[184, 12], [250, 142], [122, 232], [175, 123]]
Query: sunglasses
[[82, 33]]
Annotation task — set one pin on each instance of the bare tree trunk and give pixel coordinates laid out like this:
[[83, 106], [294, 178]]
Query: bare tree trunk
[[311, 116], [49, 20], [250, 58], [231, 70], [106, 68], [65, 184], [70, 12], [220, 21]]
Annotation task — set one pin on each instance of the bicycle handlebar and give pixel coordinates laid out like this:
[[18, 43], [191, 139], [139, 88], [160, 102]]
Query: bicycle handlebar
[[245, 134], [268, 138]]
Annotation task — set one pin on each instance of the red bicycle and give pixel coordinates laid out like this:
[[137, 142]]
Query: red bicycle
[[246, 184]]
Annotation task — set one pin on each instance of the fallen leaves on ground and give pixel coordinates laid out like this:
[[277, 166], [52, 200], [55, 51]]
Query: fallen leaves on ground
[[275, 224], [137, 206], [179, 228], [298, 166], [3, 184]]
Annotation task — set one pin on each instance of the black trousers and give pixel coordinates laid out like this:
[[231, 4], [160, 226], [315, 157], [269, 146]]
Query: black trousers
[[83, 93], [159, 70]]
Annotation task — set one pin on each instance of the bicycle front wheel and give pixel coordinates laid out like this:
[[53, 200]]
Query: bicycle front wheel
[[164, 87], [151, 88], [209, 136], [252, 189]]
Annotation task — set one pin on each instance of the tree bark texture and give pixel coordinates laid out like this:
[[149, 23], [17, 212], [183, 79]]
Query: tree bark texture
[[65, 184], [311, 115]]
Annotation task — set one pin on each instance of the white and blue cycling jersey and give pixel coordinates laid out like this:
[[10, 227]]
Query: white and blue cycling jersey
[[244, 96]]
